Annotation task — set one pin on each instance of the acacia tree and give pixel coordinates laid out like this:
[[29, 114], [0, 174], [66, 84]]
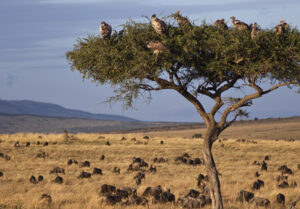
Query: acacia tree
[[197, 61]]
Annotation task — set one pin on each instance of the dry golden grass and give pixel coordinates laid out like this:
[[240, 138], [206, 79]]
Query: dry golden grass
[[234, 162]]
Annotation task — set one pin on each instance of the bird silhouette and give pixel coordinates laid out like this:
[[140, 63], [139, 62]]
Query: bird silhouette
[[239, 24], [105, 30], [158, 25]]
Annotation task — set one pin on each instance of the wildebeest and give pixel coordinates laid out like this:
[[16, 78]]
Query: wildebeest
[[280, 198], [107, 189], [264, 166], [122, 193], [285, 170], [152, 169], [32, 179], [140, 162], [70, 162], [132, 167], [244, 196], [84, 164], [27, 144], [164, 197], [283, 185], [257, 184], [17, 144], [281, 177], [58, 180], [41, 155], [193, 193], [116, 170], [46, 197], [138, 178], [190, 202], [160, 160], [136, 200], [152, 191], [1, 173], [6, 157], [57, 170], [146, 137], [111, 199], [130, 190], [260, 201], [97, 171], [45, 144], [107, 143], [84, 174], [40, 178], [102, 157]]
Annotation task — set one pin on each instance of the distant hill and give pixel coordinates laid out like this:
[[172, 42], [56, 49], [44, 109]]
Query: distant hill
[[27, 107], [41, 124]]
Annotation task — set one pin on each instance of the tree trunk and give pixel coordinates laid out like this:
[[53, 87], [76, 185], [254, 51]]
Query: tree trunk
[[214, 183]]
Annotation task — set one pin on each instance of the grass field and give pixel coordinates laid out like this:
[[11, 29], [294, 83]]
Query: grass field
[[234, 162]]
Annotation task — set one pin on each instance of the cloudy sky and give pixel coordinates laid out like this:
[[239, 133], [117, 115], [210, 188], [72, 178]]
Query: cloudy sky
[[36, 34]]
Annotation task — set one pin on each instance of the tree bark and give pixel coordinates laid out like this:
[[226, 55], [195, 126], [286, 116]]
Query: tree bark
[[214, 183]]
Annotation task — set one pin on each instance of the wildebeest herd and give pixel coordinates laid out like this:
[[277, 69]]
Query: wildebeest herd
[[139, 193]]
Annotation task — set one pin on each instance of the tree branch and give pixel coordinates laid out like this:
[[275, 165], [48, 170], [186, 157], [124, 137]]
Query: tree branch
[[246, 100]]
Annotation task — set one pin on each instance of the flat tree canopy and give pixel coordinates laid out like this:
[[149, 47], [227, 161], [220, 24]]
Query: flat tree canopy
[[194, 60]]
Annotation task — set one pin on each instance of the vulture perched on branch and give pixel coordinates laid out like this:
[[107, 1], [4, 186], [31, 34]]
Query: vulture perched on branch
[[283, 27], [239, 24], [156, 46], [220, 24], [254, 31], [158, 25], [183, 22], [105, 30]]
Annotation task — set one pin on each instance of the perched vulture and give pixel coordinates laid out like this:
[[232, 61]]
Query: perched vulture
[[254, 31], [105, 30], [183, 22], [239, 24], [158, 25], [283, 27], [156, 46], [220, 24]]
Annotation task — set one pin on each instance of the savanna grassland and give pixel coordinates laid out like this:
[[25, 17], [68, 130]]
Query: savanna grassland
[[234, 162]]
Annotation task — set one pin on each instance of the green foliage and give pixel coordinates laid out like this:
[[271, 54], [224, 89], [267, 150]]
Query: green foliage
[[201, 54]]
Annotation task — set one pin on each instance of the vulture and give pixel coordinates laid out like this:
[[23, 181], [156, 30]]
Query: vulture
[[239, 24], [220, 24], [156, 46], [183, 22], [105, 30], [158, 25], [254, 31], [283, 27]]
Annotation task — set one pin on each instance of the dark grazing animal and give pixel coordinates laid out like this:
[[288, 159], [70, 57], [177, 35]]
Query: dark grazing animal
[[84, 174], [107, 189], [97, 171]]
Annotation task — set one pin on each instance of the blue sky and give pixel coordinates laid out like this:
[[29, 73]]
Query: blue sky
[[36, 34]]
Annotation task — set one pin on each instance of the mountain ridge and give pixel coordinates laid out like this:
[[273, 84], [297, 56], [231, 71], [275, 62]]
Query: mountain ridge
[[34, 108]]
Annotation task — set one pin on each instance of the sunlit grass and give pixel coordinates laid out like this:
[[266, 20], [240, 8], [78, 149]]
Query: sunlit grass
[[234, 162]]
